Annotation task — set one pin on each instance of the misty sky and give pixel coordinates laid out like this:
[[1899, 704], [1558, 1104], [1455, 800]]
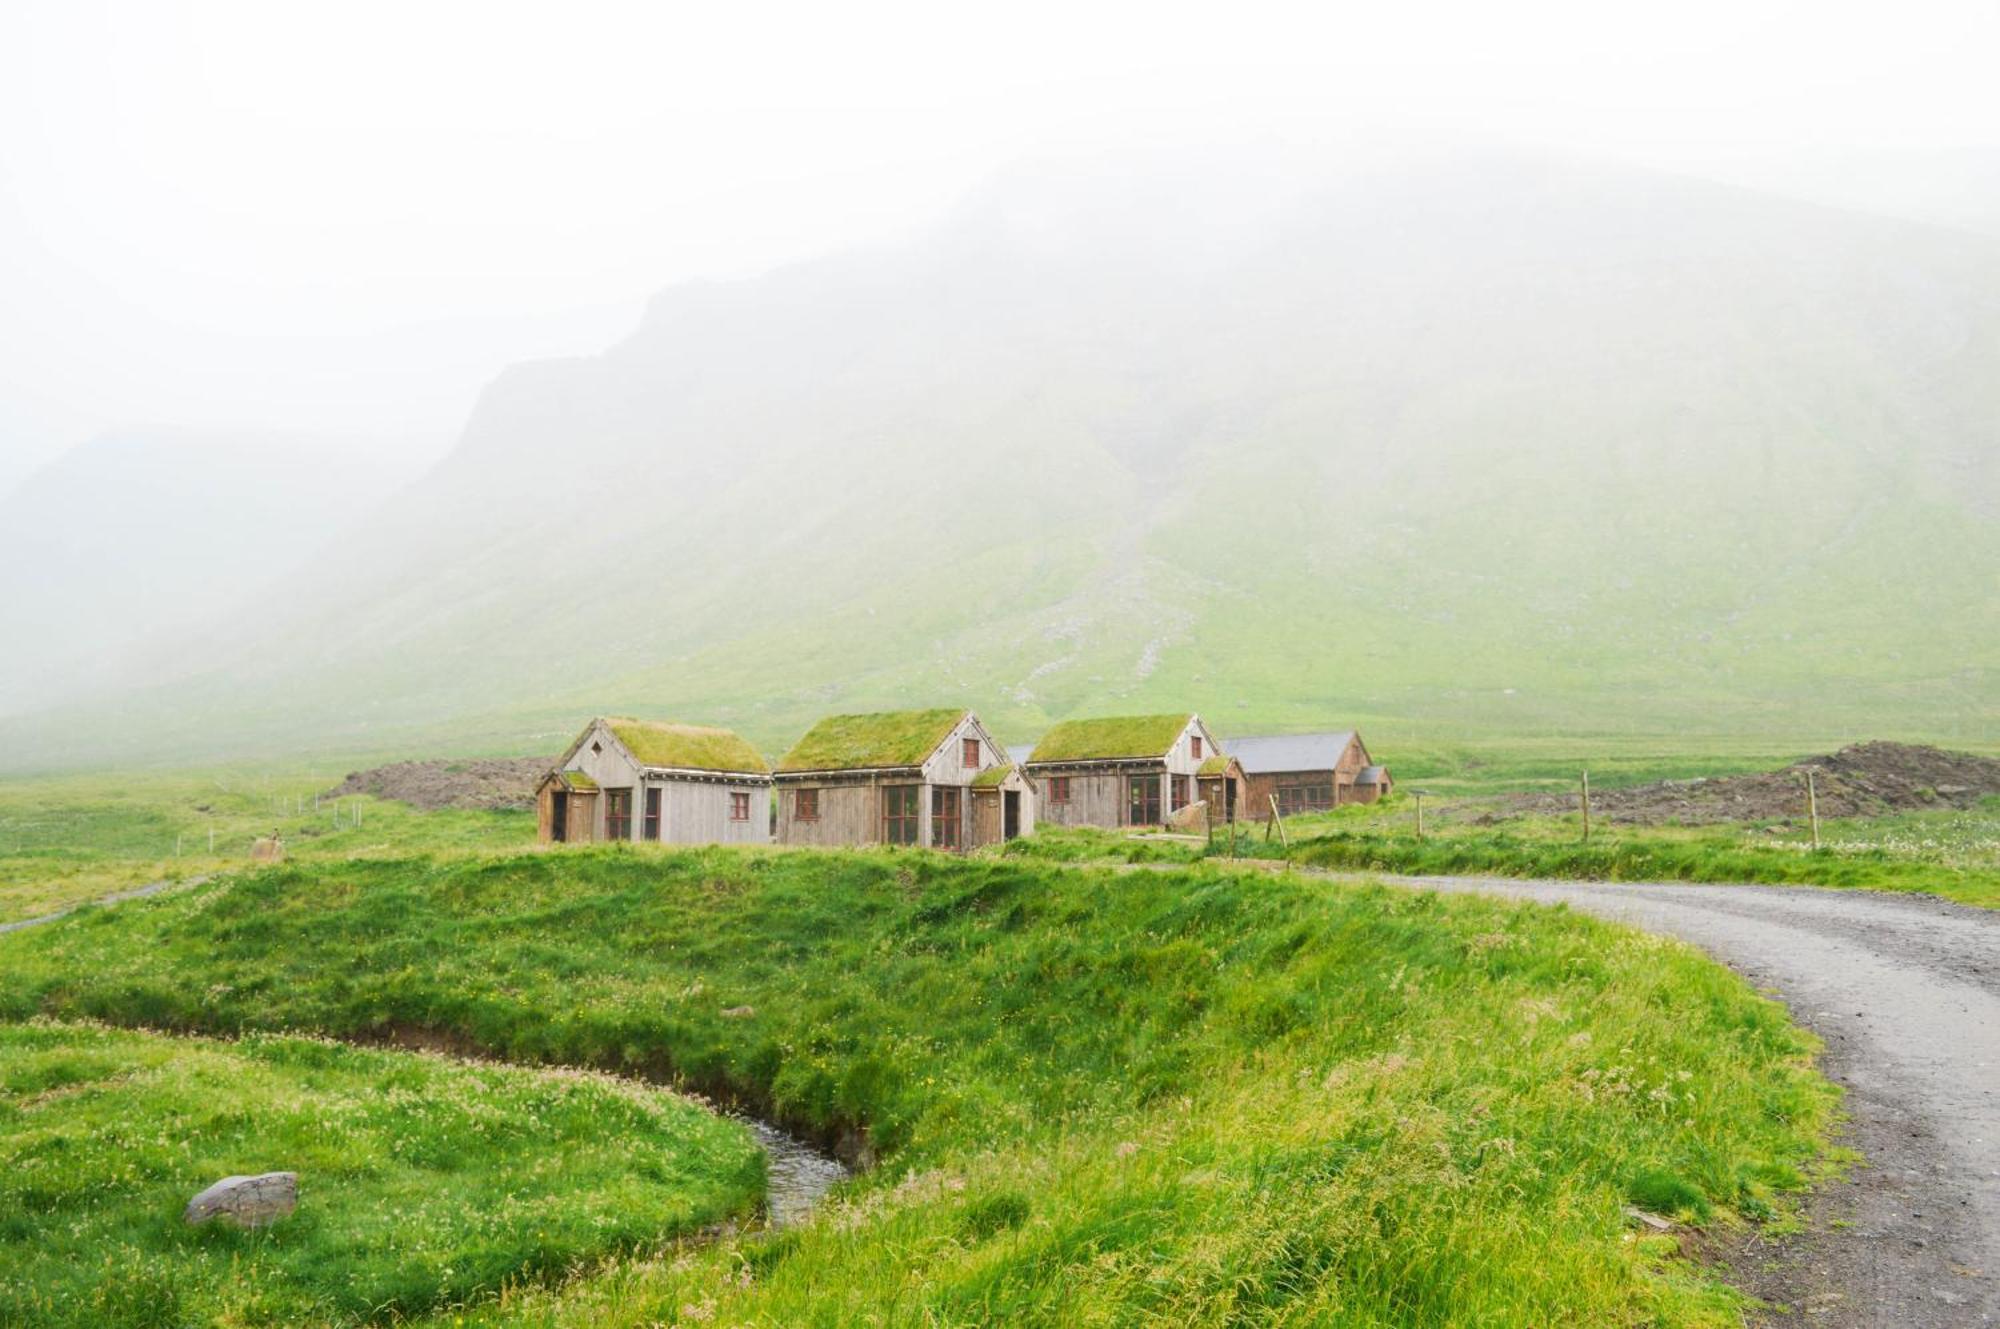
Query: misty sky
[[341, 219]]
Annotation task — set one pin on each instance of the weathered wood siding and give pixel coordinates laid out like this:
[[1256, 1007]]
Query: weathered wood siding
[[1338, 782], [698, 812], [849, 813]]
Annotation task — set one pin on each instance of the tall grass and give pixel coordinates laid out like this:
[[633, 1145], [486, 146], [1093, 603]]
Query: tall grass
[[1183, 1096], [423, 1182]]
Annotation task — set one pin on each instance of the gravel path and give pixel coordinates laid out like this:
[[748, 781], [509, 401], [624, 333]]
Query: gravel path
[[1905, 990], [137, 892]]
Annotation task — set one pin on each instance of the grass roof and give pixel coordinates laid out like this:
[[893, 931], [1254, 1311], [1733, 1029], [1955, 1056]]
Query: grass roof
[[688, 747], [1111, 737], [860, 742], [991, 776], [577, 780], [1215, 766]]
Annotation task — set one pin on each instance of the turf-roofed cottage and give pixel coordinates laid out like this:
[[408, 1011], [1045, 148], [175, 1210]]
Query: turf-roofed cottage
[[1307, 772], [901, 777], [642, 780], [1131, 770]]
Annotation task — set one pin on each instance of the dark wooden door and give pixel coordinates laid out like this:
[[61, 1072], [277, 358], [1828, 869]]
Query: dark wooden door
[[559, 816], [1010, 818]]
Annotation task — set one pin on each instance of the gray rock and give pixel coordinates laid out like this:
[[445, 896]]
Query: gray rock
[[257, 1201]]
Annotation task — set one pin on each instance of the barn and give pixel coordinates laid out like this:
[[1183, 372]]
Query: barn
[[626, 779], [1307, 772], [1130, 770], [899, 777]]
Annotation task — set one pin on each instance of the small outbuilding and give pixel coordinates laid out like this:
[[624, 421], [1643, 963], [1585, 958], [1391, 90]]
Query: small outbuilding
[[1306, 772], [642, 780], [897, 777], [1129, 770]]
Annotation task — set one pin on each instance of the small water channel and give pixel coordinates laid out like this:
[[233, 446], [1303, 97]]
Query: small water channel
[[797, 1175]]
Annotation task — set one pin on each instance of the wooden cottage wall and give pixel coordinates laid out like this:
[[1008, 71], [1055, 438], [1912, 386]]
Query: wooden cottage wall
[[849, 813], [1096, 798], [611, 769], [697, 812]]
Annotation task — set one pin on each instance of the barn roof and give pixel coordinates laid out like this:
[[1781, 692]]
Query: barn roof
[[1018, 753], [1373, 775], [686, 747], [1289, 752], [1111, 738], [868, 742]]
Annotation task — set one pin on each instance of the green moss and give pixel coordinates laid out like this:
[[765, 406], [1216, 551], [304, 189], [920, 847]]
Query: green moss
[[993, 778], [1215, 766], [1111, 737], [578, 780], [687, 746], [884, 738]]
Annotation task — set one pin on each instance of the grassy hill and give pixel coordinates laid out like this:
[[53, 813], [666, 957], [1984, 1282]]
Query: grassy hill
[[1171, 1097], [1486, 446]]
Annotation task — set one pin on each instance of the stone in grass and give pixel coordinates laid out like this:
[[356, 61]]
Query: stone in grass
[[257, 1201]]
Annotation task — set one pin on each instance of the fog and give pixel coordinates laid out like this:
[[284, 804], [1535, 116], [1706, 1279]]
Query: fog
[[387, 377], [344, 219]]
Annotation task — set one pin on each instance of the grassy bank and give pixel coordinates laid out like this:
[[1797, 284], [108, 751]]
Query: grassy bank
[[423, 1182], [1173, 1097]]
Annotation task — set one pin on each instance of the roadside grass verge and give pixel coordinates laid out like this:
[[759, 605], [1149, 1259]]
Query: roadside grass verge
[[423, 1182], [1954, 854], [1184, 1096]]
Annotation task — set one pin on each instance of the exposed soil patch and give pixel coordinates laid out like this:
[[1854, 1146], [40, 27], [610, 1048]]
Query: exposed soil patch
[[487, 783], [1865, 780]]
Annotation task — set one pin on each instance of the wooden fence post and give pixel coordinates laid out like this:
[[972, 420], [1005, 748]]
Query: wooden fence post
[[1279, 822], [1812, 807], [1418, 794], [1586, 807]]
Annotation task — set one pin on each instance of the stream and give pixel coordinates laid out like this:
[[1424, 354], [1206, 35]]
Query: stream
[[797, 1175]]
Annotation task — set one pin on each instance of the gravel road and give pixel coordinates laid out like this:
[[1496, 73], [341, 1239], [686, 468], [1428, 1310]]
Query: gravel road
[[1905, 990]]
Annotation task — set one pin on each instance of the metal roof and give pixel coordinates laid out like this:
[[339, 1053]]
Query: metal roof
[[1372, 775], [1018, 753], [1289, 752]]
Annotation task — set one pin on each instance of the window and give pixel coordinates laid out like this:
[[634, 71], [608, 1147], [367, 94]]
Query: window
[[1194, 746], [1304, 796], [944, 817], [739, 805], [972, 753], [1183, 791], [805, 804], [1142, 800], [899, 813], [1058, 789], [618, 814], [650, 828]]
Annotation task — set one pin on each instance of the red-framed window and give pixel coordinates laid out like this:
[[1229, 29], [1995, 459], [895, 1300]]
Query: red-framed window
[[650, 828], [945, 805], [1058, 789], [1194, 746], [739, 805], [1183, 791], [971, 753], [805, 804], [618, 814], [1142, 800], [901, 813]]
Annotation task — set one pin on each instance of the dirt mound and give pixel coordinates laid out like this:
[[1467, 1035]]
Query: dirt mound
[[494, 783], [1865, 780]]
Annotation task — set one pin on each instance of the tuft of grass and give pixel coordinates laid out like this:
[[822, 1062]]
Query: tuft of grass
[[1182, 1096], [422, 1182]]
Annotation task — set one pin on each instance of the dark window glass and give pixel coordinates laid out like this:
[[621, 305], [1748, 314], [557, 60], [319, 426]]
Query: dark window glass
[[650, 829], [1142, 798], [618, 814], [972, 753], [1058, 789], [900, 813], [805, 804], [739, 807], [944, 817], [1194, 746]]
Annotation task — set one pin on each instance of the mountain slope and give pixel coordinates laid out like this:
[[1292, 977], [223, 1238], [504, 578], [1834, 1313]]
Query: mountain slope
[[1487, 443]]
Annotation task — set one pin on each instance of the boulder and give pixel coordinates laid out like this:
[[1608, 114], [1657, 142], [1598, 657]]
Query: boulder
[[257, 1201], [1192, 819]]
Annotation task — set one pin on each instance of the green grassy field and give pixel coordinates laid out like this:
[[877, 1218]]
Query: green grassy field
[[1183, 1096], [68, 839], [423, 1182]]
